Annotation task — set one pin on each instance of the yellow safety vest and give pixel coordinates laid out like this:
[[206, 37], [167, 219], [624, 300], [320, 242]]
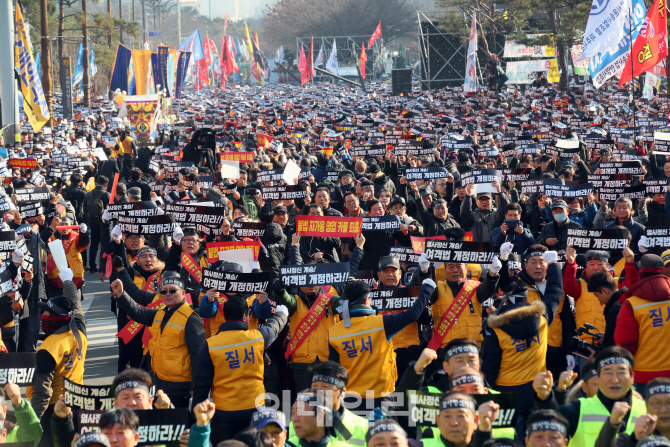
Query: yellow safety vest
[[592, 416], [367, 354], [522, 361], [212, 324], [170, 359], [316, 344], [589, 310], [651, 316], [237, 357], [63, 349], [555, 337], [468, 325]]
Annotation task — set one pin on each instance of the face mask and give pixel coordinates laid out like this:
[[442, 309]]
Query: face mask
[[559, 217]]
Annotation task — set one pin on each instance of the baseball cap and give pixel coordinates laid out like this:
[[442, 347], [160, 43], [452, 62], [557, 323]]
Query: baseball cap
[[397, 199], [559, 204], [280, 209], [231, 267], [345, 172], [58, 305], [485, 194], [425, 192], [388, 261], [267, 416]]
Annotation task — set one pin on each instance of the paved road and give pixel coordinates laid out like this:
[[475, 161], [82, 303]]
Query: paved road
[[102, 353]]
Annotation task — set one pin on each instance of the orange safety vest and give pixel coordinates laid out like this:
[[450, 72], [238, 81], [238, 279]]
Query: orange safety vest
[[555, 337], [467, 325], [212, 324], [170, 359], [367, 355], [237, 357], [651, 317], [522, 360]]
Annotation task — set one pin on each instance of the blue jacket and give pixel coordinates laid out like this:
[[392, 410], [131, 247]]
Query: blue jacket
[[584, 218], [521, 241], [320, 173]]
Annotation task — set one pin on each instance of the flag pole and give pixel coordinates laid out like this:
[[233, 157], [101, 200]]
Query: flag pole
[[632, 78], [667, 98]]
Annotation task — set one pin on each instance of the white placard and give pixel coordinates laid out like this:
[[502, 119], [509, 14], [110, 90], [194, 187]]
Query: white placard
[[230, 169], [242, 256], [291, 172], [58, 253]]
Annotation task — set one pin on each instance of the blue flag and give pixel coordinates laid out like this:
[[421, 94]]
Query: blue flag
[[193, 44], [78, 71]]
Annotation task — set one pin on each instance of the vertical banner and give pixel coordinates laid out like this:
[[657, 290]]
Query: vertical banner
[[162, 69], [34, 102], [66, 86], [120, 70], [141, 60], [154, 71], [182, 66], [470, 85]]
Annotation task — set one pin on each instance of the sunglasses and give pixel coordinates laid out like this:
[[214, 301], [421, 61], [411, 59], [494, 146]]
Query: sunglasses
[[169, 292]]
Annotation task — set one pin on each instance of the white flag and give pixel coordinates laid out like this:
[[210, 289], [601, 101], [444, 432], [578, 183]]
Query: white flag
[[470, 84], [280, 55], [332, 65], [319, 58], [605, 27]]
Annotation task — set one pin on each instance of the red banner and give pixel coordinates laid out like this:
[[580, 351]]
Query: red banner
[[191, 266], [131, 329], [419, 243], [331, 226], [242, 157], [213, 248], [308, 323], [22, 162]]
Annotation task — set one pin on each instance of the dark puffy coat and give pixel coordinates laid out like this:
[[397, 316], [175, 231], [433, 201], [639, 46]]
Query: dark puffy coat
[[555, 231]]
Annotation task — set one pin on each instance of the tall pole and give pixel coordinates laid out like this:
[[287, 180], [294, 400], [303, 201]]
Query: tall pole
[[7, 83], [632, 61], [210, 10], [144, 23], [179, 21], [109, 17], [121, 17], [46, 60], [133, 11], [86, 81]]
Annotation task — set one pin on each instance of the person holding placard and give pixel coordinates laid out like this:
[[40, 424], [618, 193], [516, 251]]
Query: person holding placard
[[486, 217], [74, 242], [63, 352]]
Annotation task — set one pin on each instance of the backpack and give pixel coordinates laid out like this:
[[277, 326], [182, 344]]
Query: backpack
[[95, 210]]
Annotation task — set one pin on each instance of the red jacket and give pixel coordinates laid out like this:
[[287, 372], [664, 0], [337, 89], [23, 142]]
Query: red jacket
[[652, 288]]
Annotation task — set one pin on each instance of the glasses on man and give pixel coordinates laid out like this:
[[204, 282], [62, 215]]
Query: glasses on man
[[169, 291], [190, 240], [148, 257]]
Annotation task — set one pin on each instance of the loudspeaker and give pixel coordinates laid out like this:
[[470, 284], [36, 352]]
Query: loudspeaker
[[401, 81]]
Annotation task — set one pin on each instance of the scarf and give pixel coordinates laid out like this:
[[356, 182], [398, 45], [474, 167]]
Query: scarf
[[52, 323]]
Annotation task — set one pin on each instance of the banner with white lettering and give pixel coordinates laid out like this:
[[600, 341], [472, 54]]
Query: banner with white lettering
[[632, 192], [661, 143], [233, 282], [7, 244], [17, 368], [656, 186], [633, 167], [192, 215], [315, 274], [467, 252], [424, 406], [568, 191], [658, 237], [32, 194], [609, 180], [404, 254], [162, 224], [590, 239], [162, 427], [273, 175], [516, 175], [88, 397], [426, 173], [249, 229], [381, 223], [288, 192], [134, 209], [482, 179], [398, 299]]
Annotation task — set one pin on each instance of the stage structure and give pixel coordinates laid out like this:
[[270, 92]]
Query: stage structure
[[443, 55]]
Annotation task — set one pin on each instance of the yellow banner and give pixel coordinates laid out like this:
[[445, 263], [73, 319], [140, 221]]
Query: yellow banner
[[141, 62], [34, 102]]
